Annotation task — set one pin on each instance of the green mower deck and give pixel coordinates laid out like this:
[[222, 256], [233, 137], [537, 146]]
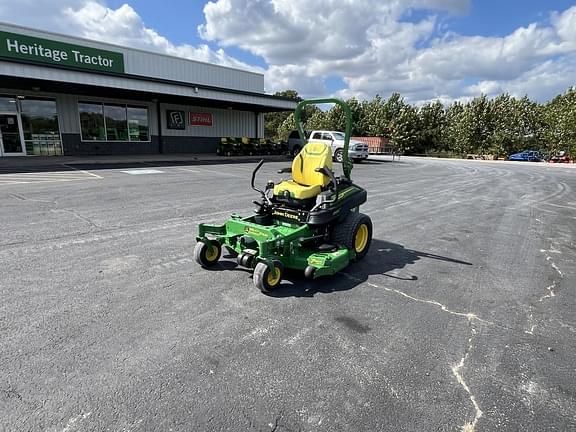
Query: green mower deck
[[278, 242]]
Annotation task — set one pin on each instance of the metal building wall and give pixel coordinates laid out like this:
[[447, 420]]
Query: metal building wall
[[145, 63], [225, 123]]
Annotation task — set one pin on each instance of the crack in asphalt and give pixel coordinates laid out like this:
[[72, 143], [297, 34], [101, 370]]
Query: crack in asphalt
[[20, 197], [78, 216], [468, 315], [72, 422], [552, 287], [456, 370], [551, 292]]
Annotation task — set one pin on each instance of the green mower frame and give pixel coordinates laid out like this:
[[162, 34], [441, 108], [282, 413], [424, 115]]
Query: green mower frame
[[320, 237]]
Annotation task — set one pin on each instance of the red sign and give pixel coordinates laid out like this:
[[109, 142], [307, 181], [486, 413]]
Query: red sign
[[200, 119]]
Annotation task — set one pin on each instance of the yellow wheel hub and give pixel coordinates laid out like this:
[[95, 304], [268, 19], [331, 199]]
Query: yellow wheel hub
[[211, 253], [361, 239], [273, 276]]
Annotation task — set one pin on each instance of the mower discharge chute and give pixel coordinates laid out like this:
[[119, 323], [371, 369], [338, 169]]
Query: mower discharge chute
[[310, 222]]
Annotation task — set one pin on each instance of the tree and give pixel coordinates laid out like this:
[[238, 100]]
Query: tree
[[318, 120], [559, 117], [432, 118], [287, 126], [507, 130], [374, 121], [498, 126], [404, 129], [455, 137], [273, 121]]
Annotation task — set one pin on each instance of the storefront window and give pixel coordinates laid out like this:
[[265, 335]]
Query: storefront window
[[113, 122], [138, 123], [116, 122], [92, 121], [7, 104], [40, 126]]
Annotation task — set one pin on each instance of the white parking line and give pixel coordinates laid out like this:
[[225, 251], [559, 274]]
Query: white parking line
[[204, 171], [82, 171], [46, 177], [140, 171]]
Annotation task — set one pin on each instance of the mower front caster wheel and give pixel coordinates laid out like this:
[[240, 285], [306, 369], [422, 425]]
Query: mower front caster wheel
[[267, 280], [205, 255], [309, 272]]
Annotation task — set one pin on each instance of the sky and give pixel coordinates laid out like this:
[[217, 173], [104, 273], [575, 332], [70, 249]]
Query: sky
[[424, 49]]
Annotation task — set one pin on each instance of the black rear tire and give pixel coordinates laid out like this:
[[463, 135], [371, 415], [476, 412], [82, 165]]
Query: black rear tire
[[355, 234]]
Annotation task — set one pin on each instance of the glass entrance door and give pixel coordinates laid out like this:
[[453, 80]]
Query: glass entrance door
[[10, 136]]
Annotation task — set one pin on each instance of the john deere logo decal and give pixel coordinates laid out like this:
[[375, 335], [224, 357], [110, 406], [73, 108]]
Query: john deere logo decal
[[254, 231], [285, 214]]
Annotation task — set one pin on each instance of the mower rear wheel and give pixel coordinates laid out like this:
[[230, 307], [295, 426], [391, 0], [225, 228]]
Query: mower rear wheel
[[206, 255], [355, 233], [267, 280]]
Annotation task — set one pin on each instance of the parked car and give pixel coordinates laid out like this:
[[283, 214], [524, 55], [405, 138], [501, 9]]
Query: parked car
[[561, 157], [527, 156], [357, 151], [295, 143]]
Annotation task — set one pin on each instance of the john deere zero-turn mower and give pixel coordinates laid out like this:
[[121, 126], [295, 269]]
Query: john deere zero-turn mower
[[310, 222]]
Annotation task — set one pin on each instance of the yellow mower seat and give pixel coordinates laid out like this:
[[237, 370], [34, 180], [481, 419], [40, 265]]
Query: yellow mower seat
[[306, 182]]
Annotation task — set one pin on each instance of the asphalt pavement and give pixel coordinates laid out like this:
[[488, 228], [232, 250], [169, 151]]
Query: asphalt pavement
[[461, 316]]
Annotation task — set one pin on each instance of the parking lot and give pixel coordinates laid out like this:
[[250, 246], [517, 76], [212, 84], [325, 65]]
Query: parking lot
[[460, 317]]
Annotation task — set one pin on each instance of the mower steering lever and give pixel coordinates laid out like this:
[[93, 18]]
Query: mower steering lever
[[254, 178]]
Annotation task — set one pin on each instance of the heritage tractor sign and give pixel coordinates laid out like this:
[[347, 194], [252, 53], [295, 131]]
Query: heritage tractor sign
[[22, 47]]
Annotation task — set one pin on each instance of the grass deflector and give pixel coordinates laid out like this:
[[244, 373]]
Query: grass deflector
[[310, 222]]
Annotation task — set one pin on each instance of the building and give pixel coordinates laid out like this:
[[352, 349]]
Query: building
[[66, 95]]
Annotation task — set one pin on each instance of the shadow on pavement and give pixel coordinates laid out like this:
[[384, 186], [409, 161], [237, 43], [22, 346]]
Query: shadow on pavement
[[379, 161], [383, 257]]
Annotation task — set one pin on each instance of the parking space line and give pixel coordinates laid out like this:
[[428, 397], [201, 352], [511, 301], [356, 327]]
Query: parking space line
[[82, 171], [141, 171], [11, 178], [205, 171]]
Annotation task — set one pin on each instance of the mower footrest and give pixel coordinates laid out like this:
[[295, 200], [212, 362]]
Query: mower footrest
[[329, 263]]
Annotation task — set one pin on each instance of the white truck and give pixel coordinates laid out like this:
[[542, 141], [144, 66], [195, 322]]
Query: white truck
[[357, 151]]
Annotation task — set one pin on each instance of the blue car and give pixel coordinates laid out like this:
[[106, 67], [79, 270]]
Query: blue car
[[527, 156]]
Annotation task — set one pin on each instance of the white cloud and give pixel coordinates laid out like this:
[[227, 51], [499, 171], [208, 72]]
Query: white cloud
[[373, 50], [44, 14], [367, 44], [540, 82], [94, 20]]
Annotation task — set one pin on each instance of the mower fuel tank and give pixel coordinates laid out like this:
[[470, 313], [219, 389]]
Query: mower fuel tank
[[323, 197]]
